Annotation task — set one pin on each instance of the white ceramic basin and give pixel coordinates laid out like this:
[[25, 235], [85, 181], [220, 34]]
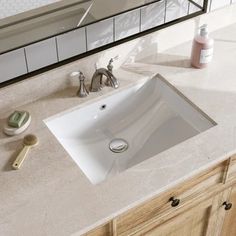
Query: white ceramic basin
[[151, 117]]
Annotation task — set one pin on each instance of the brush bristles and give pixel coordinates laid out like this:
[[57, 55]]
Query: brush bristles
[[30, 140]]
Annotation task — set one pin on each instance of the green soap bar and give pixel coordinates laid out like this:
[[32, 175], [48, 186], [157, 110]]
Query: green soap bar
[[16, 119]]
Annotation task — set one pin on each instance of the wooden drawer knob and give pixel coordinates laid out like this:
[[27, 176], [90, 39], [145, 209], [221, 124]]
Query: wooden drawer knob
[[174, 201], [228, 206]]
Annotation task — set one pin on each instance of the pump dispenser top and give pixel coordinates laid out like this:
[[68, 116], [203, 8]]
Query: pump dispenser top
[[204, 31], [202, 49]]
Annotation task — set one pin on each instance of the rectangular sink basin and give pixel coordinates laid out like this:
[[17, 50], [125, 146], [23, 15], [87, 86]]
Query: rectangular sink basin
[[111, 135]]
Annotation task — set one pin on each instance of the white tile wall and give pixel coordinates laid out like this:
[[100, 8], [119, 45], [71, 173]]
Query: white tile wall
[[41, 54], [127, 24], [100, 33], [12, 64], [176, 9], [152, 15], [215, 4], [71, 44]]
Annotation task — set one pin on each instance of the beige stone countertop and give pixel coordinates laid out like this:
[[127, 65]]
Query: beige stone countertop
[[51, 196]]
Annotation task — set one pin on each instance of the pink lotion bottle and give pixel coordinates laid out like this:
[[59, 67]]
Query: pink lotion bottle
[[202, 50]]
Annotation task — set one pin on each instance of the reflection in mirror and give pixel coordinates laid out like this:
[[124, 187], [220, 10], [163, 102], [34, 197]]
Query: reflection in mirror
[[37, 38], [32, 20], [15, 7]]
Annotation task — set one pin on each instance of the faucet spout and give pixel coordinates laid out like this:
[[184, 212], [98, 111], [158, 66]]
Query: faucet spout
[[96, 83]]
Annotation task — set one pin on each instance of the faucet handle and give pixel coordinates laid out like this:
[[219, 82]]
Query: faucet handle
[[82, 92], [110, 66], [81, 76], [78, 74]]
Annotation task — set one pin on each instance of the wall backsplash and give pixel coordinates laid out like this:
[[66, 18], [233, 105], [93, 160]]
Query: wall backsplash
[[53, 50]]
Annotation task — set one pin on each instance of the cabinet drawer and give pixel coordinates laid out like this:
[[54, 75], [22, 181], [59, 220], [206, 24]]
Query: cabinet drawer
[[156, 208]]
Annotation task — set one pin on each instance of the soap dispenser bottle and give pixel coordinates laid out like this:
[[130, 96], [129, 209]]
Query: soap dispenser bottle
[[202, 49]]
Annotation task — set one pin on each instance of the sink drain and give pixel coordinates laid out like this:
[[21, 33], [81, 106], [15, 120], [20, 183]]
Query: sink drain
[[118, 145]]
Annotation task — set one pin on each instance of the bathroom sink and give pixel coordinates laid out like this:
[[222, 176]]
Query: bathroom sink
[[111, 135]]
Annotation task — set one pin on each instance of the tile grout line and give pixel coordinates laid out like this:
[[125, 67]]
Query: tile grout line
[[26, 61], [165, 11], [114, 29], [188, 8], [86, 38], [140, 19], [57, 49]]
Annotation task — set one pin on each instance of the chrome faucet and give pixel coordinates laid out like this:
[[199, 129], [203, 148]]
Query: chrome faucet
[[111, 80]]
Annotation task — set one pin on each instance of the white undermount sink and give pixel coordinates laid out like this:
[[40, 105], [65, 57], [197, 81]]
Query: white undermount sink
[[111, 135]]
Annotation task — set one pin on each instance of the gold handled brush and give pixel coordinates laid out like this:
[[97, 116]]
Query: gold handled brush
[[29, 141]]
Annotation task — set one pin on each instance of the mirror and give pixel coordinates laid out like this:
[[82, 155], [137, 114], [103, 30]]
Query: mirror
[[36, 35], [24, 22]]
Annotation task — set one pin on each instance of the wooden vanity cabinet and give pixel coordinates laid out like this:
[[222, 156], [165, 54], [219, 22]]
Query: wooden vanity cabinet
[[199, 206], [231, 174], [229, 222], [104, 230], [199, 220], [166, 206]]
